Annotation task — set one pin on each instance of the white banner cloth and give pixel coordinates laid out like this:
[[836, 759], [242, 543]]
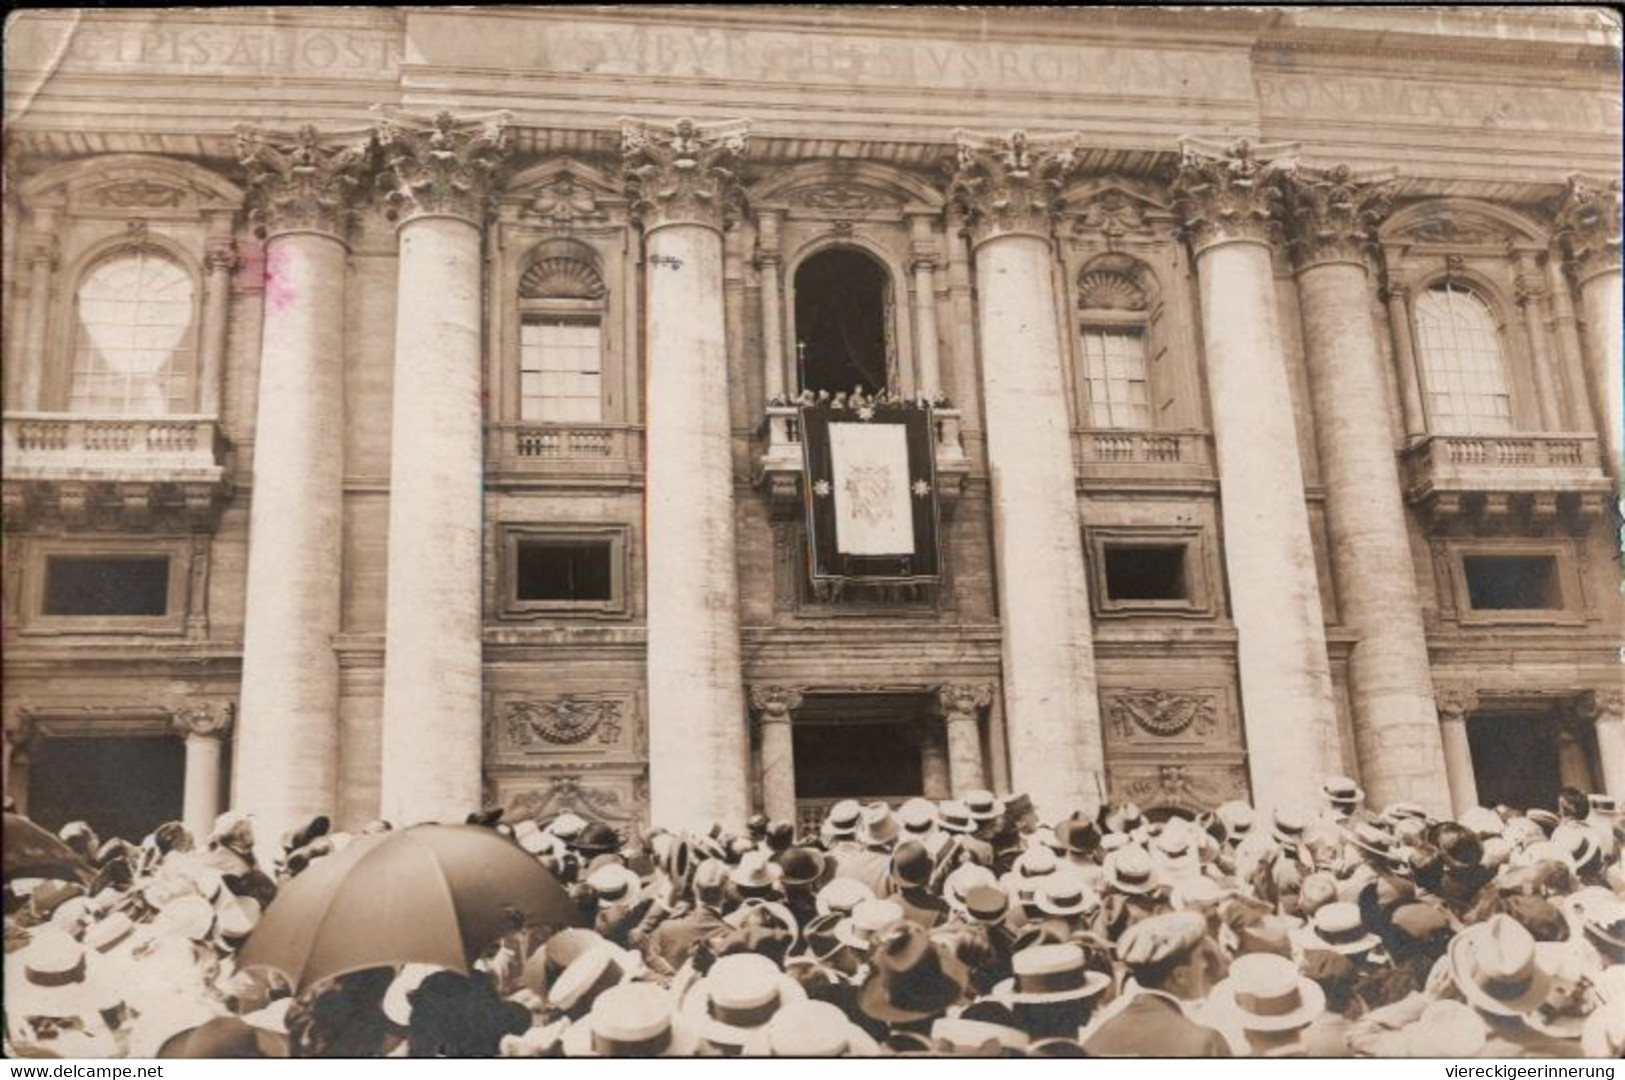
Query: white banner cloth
[[873, 515]]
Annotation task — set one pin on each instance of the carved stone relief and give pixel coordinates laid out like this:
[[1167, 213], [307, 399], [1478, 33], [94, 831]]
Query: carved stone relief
[[536, 726], [1162, 714]]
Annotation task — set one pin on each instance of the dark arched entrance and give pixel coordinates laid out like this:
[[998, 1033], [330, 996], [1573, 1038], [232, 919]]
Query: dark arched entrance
[[843, 322]]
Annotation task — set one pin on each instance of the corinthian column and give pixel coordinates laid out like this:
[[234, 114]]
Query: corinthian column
[[302, 194], [683, 183], [1588, 228], [1331, 217], [1454, 703], [773, 706], [436, 178], [962, 705], [1227, 204], [1006, 188], [204, 728]]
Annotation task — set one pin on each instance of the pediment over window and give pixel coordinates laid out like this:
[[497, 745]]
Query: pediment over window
[[564, 192], [1115, 207], [134, 183], [844, 188], [1460, 223]]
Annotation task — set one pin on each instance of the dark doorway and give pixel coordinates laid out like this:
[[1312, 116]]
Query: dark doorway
[[1515, 759], [843, 322], [858, 761], [123, 786]]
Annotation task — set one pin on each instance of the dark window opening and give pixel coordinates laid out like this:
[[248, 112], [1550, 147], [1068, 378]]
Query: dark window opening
[[1136, 572], [122, 786], [107, 585], [857, 761], [564, 571], [1512, 582], [841, 323]]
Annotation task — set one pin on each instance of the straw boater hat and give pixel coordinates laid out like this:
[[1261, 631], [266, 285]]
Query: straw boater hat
[[955, 817], [841, 895], [1065, 895], [962, 879], [986, 904], [1048, 974], [1341, 791], [1237, 818], [917, 816], [779, 914], [1373, 840], [1446, 1029], [1129, 870], [983, 805], [1578, 843], [55, 976], [811, 1029], [878, 828], [867, 922], [1338, 928], [632, 1020], [567, 826], [983, 1027], [1264, 992], [842, 819], [1287, 827], [1496, 968], [1124, 819], [1197, 893], [1599, 915], [614, 883], [1174, 853], [589, 975], [739, 996]]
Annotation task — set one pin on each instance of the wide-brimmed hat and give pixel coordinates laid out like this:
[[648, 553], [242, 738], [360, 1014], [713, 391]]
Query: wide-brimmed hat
[[1129, 870], [1174, 853], [909, 979], [631, 1020], [911, 864], [1578, 842], [55, 976], [1236, 816], [1338, 928], [878, 827], [986, 904], [1288, 826], [1197, 892], [1599, 915], [841, 895], [804, 867], [614, 883], [1373, 840], [1047, 974], [811, 1029], [589, 975], [1483, 821], [555, 954], [1264, 992], [983, 805], [1340, 789], [868, 921], [739, 995], [962, 879], [843, 818], [1497, 969], [917, 816], [754, 908], [818, 941], [1065, 895], [982, 1027], [955, 817], [110, 931], [596, 839]]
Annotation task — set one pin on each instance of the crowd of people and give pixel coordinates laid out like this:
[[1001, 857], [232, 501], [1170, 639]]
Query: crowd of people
[[965, 927]]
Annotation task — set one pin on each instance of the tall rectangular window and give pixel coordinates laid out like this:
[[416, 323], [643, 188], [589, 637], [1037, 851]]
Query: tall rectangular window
[[1114, 370], [561, 370]]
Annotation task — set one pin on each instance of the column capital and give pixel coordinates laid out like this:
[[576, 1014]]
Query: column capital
[[1226, 192], [774, 704], [684, 173], [1454, 703], [304, 182], [44, 248], [205, 720], [441, 166], [1603, 705], [220, 257], [964, 698], [1588, 225], [1010, 185], [1331, 215]]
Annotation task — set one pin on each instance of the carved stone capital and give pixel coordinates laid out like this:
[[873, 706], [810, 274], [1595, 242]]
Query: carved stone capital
[[441, 166], [204, 719], [221, 256], [1588, 225], [1605, 706], [685, 173], [1010, 185], [306, 182], [1224, 193], [964, 699], [774, 703], [1331, 215], [1528, 289], [1454, 703], [44, 249]]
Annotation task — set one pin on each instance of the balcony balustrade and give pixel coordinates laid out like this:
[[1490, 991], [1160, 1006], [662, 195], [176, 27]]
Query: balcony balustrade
[[1538, 477]]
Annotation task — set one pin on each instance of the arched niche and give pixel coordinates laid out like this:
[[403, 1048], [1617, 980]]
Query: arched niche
[[877, 326]]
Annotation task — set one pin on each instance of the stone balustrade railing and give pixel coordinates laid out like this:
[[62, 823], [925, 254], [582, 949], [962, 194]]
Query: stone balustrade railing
[[784, 434], [1103, 452], [1542, 474], [75, 446], [589, 447]]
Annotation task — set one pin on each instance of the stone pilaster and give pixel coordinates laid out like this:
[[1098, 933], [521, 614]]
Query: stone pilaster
[[219, 263], [769, 263], [204, 727], [1529, 293], [1228, 203], [962, 706], [301, 197], [684, 187], [41, 255], [1588, 232], [1606, 707], [773, 706], [436, 182], [1331, 218], [923, 262], [1454, 705], [1006, 188]]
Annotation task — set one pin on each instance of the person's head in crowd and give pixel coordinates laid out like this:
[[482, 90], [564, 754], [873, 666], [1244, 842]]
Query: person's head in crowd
[[1172, 953], [458, 1015], [1573, 804], [1271, 1002], [780, 836]]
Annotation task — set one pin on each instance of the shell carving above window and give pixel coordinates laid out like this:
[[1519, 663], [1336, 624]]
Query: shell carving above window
[[561, 278], [1102, 290]]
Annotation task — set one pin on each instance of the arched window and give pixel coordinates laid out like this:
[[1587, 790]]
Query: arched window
[[1459, 347], [1112, 314], [133, 342], [843, 322], [561, 338]]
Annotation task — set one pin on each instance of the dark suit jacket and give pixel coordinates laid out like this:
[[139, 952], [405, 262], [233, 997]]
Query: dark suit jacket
[[676, 938], [1152, 1026]]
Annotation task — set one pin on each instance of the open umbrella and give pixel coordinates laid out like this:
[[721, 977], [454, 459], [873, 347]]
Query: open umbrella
[[31, 851], [430, 894]]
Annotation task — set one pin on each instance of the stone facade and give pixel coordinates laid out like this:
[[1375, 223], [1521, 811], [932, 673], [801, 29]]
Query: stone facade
[[1277, 407]]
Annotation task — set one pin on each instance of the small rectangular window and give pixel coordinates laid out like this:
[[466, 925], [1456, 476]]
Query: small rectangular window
[[563, 571], [1146, 572], [106, 585], [1512, 582], [560, 370]]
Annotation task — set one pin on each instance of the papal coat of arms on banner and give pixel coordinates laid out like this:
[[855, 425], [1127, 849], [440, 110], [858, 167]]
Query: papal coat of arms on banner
[[871, 493]]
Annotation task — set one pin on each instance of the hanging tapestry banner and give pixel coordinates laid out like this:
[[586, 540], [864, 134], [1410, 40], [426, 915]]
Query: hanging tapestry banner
[[871, 493]]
